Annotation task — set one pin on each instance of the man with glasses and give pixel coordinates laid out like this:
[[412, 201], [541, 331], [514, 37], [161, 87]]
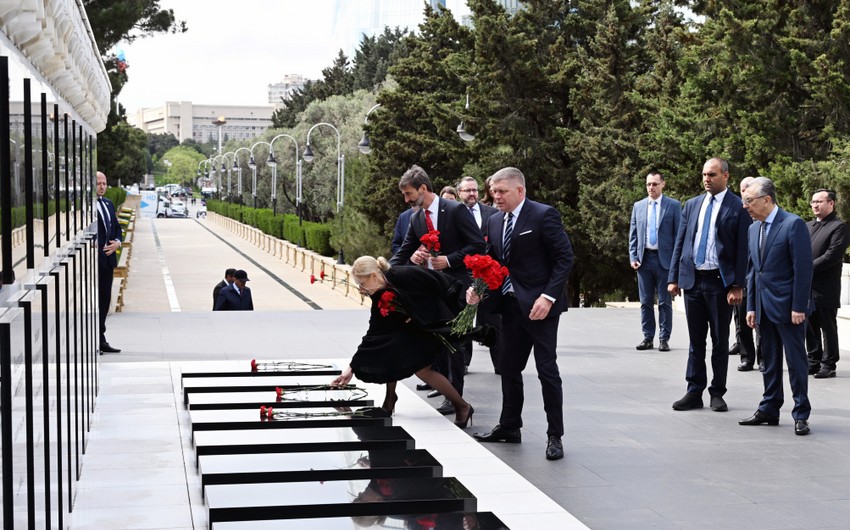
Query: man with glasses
[[468, 189], [830, 238], [779, 294], [652, 233], [710, 263]]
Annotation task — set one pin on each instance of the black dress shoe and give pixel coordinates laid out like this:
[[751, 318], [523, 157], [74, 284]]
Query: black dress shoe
[[554, 449], [745, 367], [813, 370], [735, 350], [717, 404], [446, 408], [690, 401], [760, 418], [106, 348], [423, 386], [500, 434], [663, 346], [825, 373], [645, 345], [801, 427], [434, 393]]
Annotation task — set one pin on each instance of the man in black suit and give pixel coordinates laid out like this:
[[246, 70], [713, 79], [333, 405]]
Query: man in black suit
[[236, 296], [710, 263], [830, 237], [468, 190], [529, 239], [749, 348], [228, 279], [108, 241], [459, 237]]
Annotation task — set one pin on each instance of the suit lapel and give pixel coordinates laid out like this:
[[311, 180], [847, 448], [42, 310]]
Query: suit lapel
[[441, 215], [775, 227], [640, 222]]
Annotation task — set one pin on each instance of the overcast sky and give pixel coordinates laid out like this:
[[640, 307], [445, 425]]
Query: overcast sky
[[233, 50]]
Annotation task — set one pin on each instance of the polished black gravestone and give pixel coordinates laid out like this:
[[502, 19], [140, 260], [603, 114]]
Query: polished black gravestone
[[248, 383], [337, 498], [317, 466], [291, 398], [257, 368], [247, 419], [351, 438], [439, 521]]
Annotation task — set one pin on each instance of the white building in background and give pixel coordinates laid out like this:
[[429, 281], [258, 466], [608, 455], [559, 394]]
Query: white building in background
[[283, 90], [185, 120]]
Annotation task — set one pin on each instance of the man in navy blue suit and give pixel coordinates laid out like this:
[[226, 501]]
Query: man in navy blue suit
[[236, 296], [652, 235], [108, 241], [779, 298], [401, 227], [710, 263], [529, 239]]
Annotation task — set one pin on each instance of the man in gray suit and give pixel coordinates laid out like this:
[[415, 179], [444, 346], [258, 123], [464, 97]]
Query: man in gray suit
[[652, 235]]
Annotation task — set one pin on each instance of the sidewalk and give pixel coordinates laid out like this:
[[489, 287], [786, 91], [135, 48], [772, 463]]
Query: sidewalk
[[631, 461]]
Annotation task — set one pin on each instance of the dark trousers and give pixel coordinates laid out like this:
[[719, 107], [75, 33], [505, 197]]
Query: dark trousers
[[520, 335], [487, 316], [652, 283], [104, 295], [822, 338], [793, 338], [706, 309], [749, 349], [451, 365]]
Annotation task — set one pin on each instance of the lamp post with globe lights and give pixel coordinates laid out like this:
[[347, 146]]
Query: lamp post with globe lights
[[238, 168], [253, 165], [340, 177], [364, 146], [273, 164]]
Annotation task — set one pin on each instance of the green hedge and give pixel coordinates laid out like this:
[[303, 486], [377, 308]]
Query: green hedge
[[313, 236]]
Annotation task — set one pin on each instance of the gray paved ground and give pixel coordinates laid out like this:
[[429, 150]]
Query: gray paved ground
[[631, 461]]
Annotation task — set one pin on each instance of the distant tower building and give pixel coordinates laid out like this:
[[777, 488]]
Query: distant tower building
[[283, 90], [511, 6], [369, 17]]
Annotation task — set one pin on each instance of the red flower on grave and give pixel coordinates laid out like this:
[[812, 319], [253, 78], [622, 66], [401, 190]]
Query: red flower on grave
[[427, 521], [279, 392], [254, 365], [322, 274], [387, 303], [312, 278]]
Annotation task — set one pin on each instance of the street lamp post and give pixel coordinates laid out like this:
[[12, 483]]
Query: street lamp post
[[461, 130], [220, 171], [253, 165], [273, 164], [219, 122], [364, 144], [340, 178], [238, 168], [229, 174]]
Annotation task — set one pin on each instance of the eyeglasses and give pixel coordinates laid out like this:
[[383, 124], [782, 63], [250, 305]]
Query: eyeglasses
[[819, 201], [468, 190], [750, 200]]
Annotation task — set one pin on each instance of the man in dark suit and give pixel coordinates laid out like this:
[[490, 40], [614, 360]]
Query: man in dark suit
[[467, 187], [779, 297], [108, 241], [529, 239], [236, 296], [830, 237], [459, 237], [710, 262], [652, 235], [744, 344], [401, 227], [228, 279]]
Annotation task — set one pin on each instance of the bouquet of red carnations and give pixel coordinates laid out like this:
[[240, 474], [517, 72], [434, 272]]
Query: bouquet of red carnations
[[431, 241], [487, 273]]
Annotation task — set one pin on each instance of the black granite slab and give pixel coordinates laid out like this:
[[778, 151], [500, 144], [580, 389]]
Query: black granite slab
[[351, 438], [313, 466], [294, 399], [248, 383], [246, 419], [264, 369], [443, 521], [336, 498]]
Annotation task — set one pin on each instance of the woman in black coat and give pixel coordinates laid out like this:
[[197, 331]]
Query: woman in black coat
[[411, 309]]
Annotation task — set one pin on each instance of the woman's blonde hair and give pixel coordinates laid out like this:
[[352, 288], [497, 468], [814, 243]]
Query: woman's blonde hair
[[366, 265]]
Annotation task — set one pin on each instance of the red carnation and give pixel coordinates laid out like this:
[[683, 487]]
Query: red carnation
[[322, 274], [254, 365], [312, 278], [431, 241], [487, 273], [388, 303]]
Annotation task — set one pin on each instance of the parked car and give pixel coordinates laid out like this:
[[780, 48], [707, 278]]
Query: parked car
[[179, 209]]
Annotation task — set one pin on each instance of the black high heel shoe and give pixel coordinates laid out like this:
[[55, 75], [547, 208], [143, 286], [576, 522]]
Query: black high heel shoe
[[467, 420]]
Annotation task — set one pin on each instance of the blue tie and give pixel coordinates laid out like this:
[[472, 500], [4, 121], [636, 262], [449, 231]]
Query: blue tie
[[653, 225], [506, 252], [703, 238]]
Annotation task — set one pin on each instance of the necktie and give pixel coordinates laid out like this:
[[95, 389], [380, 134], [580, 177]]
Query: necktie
[[653, 225], [428, 223], [762, 235], [506, 252], [104, 215], [703, 238]]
